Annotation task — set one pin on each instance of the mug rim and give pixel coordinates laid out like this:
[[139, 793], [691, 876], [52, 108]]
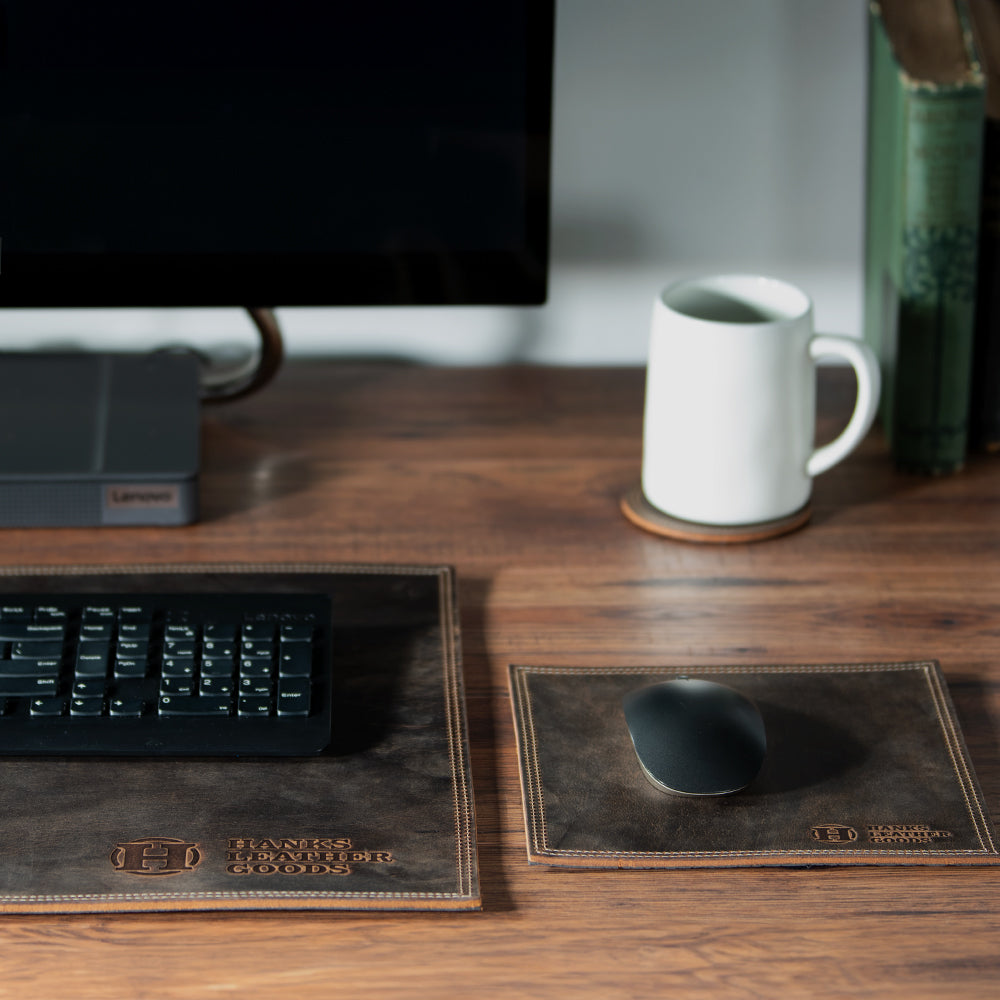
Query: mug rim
[[789, 303]]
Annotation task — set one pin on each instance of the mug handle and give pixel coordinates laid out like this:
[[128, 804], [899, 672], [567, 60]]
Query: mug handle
[[859, 355]]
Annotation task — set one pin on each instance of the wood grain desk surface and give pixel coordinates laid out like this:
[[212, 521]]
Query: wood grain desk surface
[[514, 476]]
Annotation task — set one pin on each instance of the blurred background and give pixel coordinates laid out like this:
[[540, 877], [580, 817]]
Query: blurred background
[[689, 136]]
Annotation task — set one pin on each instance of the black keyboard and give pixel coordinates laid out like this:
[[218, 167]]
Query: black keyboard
[[165, 674]]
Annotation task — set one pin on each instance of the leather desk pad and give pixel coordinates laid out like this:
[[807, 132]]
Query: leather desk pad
[[381, 820], [866, 764]]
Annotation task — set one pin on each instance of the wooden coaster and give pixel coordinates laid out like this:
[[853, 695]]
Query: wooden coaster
[[644, 515]]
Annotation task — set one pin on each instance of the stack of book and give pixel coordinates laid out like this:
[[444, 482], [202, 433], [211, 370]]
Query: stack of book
[[932, 226]]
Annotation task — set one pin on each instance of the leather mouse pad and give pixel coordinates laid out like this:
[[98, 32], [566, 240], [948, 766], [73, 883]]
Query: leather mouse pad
[[383, 819], [865, 764]]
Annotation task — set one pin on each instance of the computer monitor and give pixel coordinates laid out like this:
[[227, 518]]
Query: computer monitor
[[252, 153], [246, 153]]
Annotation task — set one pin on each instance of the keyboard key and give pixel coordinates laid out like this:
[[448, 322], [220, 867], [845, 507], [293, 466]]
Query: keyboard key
[[134, 631], [180, 632], [220, 632], [296, 632], [89, 687], [254, 707], [215, 667], [86, 706], [256, 686], [92, 660], [48, 706], [179, 667], [295, 660], [293, 696], [217, 685], [257, 648], [176, 685], [130, 649], [130, 668], [255, 668], [262, 631], [134, 614], [28, 687], [126, 708], [49, 614], [218, 648], [193, 706], [224, 632], [97, 613], [36, 650], [14, 631], [30, 668], [98, 631]]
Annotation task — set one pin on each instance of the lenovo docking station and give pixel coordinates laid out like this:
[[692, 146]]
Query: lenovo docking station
[[98, 439]]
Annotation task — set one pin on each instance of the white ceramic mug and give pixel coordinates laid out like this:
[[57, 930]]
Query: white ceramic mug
[[731, 400]]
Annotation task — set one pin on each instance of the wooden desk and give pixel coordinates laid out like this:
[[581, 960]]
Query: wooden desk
[[514, 476]]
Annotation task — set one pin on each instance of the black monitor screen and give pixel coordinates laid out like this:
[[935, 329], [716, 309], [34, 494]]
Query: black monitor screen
[[243, 152]]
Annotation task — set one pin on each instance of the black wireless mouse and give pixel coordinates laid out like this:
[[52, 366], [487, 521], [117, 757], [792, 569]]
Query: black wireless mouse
[[696, 737]]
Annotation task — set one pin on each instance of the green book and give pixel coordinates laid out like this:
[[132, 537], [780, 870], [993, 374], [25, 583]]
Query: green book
[[925, 125], [984, 415]]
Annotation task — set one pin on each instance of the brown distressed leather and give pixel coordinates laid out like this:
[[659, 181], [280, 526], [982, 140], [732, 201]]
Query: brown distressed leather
[[384, 820], [866, 764]]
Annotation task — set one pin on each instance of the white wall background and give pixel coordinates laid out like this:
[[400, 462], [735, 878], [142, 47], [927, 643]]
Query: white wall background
[[689, 136]]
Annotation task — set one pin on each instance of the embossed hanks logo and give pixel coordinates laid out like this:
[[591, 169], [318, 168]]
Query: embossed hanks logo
[[879, 833], [905, 833], [832, 833], [155, 856], [298, 856]]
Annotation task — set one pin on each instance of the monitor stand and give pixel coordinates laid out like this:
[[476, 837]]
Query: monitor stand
[[226, 384], [99, 439]]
